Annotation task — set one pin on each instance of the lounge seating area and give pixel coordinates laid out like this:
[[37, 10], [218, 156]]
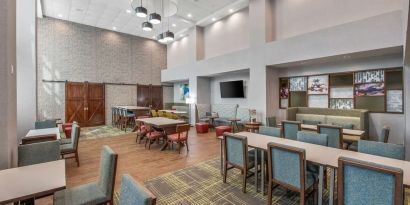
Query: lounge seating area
[[145, 102]]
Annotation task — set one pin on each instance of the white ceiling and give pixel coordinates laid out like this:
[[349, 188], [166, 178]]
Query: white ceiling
[[110, 14]]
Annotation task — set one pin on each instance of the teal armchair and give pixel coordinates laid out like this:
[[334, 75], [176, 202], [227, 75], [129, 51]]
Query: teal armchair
[[313, 138], [36, 153], [290, 129], [334, 135], [71, 149], [133, 193], [271, 131]]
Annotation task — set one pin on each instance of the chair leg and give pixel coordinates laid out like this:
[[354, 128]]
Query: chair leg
[[77, 159], [302, 198], [179, 147], [245, 174], [270, 184], [187, 148], [149, 144], [225, 172], [315, 197]]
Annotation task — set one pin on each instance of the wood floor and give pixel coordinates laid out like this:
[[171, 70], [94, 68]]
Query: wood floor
[[135, 160]]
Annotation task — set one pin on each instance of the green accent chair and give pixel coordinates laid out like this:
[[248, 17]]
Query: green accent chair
[[71, 149], [290, 129], [236, 155], [37, 153], [382, 149], [271, 131], [133, 193], [45, 124], [271, 121], [287, 168], [362, 182], [100, 192], [334, 135]]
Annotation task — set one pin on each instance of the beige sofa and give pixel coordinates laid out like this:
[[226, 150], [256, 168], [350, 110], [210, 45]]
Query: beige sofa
[[359, 118]]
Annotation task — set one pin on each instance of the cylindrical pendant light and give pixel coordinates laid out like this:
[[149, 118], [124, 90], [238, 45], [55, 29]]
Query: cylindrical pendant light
[[141, 11], [160, 38], [168, 36], [155, 18], [147, 26]]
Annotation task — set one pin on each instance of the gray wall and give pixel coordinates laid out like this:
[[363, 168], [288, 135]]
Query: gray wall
[[74, 52]]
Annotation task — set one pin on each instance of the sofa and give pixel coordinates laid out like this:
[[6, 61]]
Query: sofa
[[179, 107], [357, 119]]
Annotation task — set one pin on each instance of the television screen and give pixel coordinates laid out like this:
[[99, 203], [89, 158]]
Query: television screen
[[232, 89]]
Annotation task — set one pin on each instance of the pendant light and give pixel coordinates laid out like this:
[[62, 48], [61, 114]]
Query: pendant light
[[155, 18], [168, 35], [161, 38], [141, 11], [147, 26]]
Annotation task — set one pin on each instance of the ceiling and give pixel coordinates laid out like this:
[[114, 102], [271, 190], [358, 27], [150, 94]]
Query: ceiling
[[118, 15]]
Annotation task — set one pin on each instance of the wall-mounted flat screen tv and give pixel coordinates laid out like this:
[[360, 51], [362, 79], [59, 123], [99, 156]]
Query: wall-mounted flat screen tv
[[232, 89]]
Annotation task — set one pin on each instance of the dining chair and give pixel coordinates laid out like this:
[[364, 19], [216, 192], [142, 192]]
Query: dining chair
[[45, 124], [286, 167], [334, 135], [152, 136], [394, 151], [384, 135], [141, 130], [313, 138], [236, 156], [290, 129], [154, 113], [363, 182], [67, 140], [271, 131], [133, 193], [180, 137], [99, 192], [271, 121], [36, 153], [72, 148]]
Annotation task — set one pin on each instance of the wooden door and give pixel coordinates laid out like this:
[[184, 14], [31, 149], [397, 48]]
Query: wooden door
[[150, 96], [156, 97], [143, 95], [85, 103]]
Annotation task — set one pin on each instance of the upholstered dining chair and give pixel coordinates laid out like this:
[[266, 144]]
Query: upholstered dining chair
[[394, 151], [287, 168], [152, 136], [71, 149], [180, 137], [384, 135], [362, 182], [236, 156], [45, 124], [133, 193], [313, 138], [141, 131], [271, 121], [40, 152], [67, 140], [271, 131], [290, 129], [334, 135], [99, 192]]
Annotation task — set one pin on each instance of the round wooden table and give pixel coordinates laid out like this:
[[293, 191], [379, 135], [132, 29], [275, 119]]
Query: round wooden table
[[252, 126]]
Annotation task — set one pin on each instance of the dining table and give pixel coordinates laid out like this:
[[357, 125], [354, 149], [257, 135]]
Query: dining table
[[27, 182], [40, 135]]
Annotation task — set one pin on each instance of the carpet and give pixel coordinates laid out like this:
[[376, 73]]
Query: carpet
[[101, 132]]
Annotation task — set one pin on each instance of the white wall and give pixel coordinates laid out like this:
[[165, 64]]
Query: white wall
[[227, 35], [182, 51], [216, 91], [295, 17], [26, 62]]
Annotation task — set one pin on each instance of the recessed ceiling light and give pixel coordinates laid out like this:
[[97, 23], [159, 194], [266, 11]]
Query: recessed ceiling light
[[154, 37], [60, 15], [128, 11], [214, 19], [189, 15], [180, 35], [174, 25], [114, 28], [230, 10]]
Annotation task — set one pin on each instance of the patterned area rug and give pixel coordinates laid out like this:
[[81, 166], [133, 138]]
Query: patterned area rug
[[101, 131]]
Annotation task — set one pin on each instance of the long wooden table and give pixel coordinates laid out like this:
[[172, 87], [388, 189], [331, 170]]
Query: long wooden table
[[39, 135], [324, 157], [28, 182]]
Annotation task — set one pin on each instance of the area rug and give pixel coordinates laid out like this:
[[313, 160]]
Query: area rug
[[101, 131]]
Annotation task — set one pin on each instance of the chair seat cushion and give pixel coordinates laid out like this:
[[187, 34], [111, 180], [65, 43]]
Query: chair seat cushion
[[154, 135], [80, 195], [66, 148], [174, 137], [65, 141]]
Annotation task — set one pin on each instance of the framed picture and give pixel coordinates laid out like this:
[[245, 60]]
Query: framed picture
[[341, 103], [341, 92], [394, 101], [298, 84], [284, 103], [371, 76], [183, 91], [369, 89], [318, 101], [318, 84], [284, 93]]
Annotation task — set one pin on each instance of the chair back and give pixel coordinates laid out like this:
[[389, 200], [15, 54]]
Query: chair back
[[334, 135], [290, 129], [287, 166], [271, 131], [362, 182], [108, 169], [313, 138], [40, 152], [271, 121], [134, 193], [382, 149], [161, 114], [45, 124], [384, 135], [236, 150], [183, 130], [75, 136]]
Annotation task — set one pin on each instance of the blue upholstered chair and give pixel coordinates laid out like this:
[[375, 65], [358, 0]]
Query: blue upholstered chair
[[36, 153], [334, 135], [362, 182], [394, 151], [384, 135], [71, 149], [133, 193], [313, 138], [290, 129], [287, 168], [271, 131], [236, 156], [271, 121], [99, 192], [45, 124]]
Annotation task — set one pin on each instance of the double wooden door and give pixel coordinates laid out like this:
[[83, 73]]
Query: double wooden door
[[85, 103], [150, 96]]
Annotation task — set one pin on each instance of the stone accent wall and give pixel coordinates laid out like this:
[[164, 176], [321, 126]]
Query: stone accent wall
[[75, 52]]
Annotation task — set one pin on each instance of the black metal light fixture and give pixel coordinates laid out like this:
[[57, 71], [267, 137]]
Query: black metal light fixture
[[154, 18], [141, 11], [168, 36], [147, 26]]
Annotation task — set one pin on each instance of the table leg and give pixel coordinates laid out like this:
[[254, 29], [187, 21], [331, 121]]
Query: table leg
[[256, 169], [332, 186], [165, 143], [262, 172], [320, 190]]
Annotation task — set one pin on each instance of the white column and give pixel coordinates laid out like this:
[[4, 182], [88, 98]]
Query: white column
[[406, 77]]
